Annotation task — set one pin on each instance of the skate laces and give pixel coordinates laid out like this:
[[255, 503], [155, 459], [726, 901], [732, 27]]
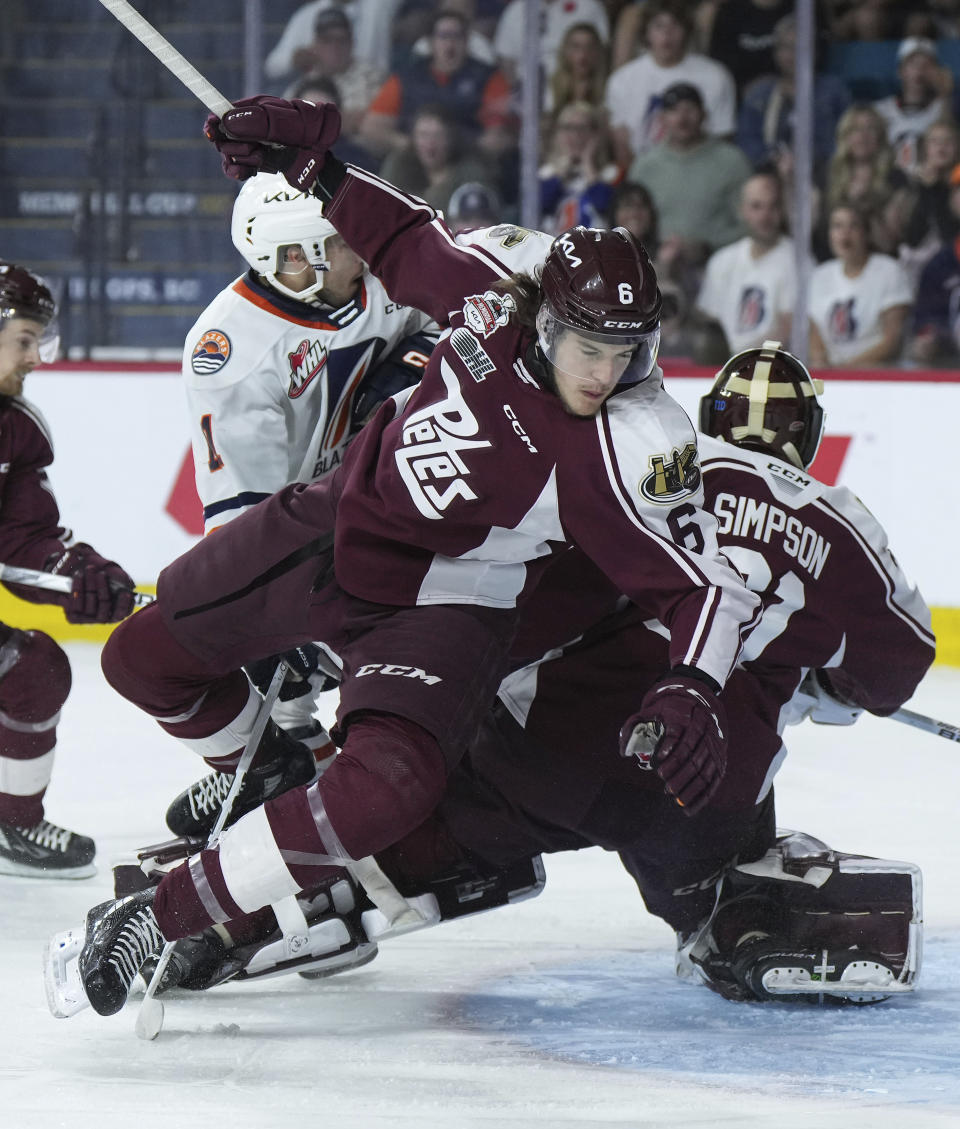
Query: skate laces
[[139, 939], [49, 835], [208, 794]]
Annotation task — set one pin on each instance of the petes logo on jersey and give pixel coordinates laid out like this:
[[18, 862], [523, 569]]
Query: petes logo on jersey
[[672, 477], [430, 461], [486, 313], [308, 359], [210, 353]]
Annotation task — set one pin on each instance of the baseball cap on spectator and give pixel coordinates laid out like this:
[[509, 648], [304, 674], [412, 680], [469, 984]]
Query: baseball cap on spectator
[[330, 19], [913, 44], [473, 201], [681, 92]]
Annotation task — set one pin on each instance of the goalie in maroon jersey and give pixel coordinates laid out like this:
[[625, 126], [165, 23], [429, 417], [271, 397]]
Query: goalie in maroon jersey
[[34, 670]]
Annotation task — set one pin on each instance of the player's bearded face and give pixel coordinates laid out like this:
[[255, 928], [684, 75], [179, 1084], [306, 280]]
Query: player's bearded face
[[19, 352], [585, 372]]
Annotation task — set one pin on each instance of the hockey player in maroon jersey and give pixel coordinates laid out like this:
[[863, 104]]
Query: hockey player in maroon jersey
[[758, 915], [541, 421], [34, 670]]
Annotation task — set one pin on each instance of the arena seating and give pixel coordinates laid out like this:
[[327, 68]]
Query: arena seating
[[106, 185]]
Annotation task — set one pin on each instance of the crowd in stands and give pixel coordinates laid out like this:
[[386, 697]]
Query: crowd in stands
[[675, 118]]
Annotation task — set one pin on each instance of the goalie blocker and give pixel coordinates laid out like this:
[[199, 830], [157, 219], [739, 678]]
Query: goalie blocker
[[806, 922]]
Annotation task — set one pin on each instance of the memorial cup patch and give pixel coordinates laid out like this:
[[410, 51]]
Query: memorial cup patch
[[486, 313]]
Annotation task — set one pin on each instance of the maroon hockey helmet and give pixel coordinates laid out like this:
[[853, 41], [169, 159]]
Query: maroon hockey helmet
[[601, 285], [24, 294], [765, 400]]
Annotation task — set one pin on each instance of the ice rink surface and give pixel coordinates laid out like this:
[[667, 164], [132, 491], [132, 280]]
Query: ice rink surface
[[562, 1011]]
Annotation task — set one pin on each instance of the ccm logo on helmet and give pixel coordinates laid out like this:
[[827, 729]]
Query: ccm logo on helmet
[[623, 325]]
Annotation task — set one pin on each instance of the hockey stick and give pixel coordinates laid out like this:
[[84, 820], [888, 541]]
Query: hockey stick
[[171, 58], [928, 724], [51, 582], [150, 1016]]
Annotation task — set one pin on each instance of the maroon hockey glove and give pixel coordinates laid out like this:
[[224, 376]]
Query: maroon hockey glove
[[680, 730], [271, 134], [102, 592]]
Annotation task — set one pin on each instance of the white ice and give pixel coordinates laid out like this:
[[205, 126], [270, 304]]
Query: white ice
[[562, 1011]]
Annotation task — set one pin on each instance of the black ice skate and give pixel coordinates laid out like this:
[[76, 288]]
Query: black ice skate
[[281, 763], [45, 851], [119, 937]]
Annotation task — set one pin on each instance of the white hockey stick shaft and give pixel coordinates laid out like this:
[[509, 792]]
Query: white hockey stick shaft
[[150, 1016], [53, 582], [928, 724], [171, 58]]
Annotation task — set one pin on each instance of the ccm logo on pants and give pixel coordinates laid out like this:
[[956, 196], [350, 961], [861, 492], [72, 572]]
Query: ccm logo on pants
[[401, 671]]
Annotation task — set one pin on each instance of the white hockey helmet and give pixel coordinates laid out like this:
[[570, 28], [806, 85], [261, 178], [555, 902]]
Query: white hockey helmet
[[269, 217]]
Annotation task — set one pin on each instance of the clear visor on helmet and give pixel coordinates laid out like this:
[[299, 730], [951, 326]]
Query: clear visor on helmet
[[49, 343], [299, 270], [632, 353]]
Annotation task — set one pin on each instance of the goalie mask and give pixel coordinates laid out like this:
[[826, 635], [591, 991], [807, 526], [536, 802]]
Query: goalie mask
[[281, 232], [602, 286], [24, 294], [765, 400]]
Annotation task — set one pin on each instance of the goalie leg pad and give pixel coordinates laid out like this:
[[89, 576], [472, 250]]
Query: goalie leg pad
[[808, 922]]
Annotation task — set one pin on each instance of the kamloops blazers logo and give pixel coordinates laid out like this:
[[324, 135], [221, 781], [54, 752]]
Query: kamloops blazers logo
[[210, 353], [305, 362], [433, 439], [672, 477], [486, 313]]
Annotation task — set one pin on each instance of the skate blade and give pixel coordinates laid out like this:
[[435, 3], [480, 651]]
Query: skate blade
[[61, 974], [52, 873]]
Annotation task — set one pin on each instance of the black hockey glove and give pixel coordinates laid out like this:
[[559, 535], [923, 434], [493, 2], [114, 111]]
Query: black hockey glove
[[304, 662], [680, 731], [102, 592]]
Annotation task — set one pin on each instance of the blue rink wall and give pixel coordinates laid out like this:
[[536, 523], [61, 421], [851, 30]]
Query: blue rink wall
[[122, 473]]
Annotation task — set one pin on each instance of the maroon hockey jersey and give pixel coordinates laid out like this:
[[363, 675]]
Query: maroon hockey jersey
[[30, 529], [460, 492]]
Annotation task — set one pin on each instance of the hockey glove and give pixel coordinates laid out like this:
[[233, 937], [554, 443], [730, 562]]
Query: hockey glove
[[102, 592], [820, 698], [310, 670], [680, 731], [268, 134]]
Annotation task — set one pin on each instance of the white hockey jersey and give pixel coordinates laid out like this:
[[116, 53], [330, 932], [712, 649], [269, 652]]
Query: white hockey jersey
[[271, 386]]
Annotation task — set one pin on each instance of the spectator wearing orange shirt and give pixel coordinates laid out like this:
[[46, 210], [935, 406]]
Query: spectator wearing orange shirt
[[476, 95]]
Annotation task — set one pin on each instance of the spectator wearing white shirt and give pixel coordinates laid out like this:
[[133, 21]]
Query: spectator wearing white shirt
[[858, 301], [749, 286], [920, 102], [372, 23], [555, 17], [635, 90]]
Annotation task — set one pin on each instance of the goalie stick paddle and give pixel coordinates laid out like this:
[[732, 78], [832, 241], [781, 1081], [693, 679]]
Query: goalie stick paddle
[[928, 724], [171, 58], [51, 582], [150, 1016]]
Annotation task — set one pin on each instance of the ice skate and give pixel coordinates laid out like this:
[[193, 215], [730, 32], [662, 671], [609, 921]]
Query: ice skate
[[120, 936], [282, 763], [45, 851]]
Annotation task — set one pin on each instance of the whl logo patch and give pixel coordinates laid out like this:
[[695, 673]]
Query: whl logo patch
[[306, 361], [672, 477]]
